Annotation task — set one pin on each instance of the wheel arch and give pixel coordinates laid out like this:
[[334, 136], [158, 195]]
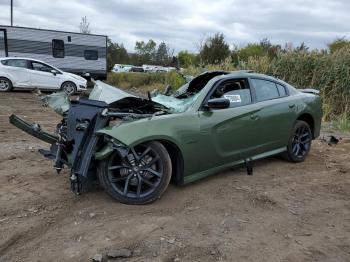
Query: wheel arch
[[7, 78], [308, 118], [175, 152], [68, 81], [177, 161]]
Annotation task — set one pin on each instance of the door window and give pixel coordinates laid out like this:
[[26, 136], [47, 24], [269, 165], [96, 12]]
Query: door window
[[264, 89], [41, 67], [235, 90], [281, 90], [15, 63], [58, 48]]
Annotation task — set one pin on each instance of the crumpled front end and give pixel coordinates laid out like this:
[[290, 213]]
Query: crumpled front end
[[77, 140]]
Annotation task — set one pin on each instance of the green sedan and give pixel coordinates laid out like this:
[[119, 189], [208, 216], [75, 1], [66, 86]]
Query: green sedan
[[134, 146]]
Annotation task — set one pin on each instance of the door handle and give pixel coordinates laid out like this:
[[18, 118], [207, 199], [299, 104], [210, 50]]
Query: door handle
[[291, 105], [254, 117]]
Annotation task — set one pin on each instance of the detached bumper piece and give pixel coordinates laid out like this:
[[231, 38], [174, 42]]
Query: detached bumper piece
[[83, 120], [75, 142], [33, 129]]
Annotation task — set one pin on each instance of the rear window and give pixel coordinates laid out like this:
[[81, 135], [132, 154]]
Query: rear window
[[15, 63], [265, 90], [91, 54], [58, 48], [281, 90]]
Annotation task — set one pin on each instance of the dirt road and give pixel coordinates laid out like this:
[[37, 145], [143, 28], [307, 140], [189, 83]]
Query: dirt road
[[284, 212]]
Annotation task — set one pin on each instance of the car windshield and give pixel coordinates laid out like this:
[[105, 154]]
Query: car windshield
[[175, 105], [185, 96]]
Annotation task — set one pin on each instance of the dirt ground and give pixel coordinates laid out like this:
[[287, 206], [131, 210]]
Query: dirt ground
[[284, 212]]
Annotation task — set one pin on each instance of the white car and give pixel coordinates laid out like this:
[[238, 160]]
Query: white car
[[16, 72], [119, 68]]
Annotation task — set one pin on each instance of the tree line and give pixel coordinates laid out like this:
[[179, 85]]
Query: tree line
[[212, 50]]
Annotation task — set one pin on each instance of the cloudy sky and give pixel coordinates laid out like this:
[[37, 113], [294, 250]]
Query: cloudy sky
[[182, 23]]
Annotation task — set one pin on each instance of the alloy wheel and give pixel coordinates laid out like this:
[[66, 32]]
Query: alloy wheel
[[137, 174], [4, 85], [301, 141], [68, 88]]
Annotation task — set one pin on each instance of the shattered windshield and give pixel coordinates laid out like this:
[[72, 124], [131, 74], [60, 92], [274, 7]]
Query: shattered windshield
[[184, 97], [174, 104]]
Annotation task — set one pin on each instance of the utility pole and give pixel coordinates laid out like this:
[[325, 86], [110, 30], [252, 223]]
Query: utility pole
[[11, 12]]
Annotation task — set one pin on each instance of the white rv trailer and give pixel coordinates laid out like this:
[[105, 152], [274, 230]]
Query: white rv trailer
[[83, 54]]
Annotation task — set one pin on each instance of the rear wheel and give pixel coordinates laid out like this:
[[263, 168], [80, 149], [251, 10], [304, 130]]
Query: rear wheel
[[5, 85], [137, 176], [299, 143], [69, 88]]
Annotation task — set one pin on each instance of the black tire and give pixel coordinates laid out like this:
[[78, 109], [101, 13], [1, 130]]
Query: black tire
[[69, 88], [299, 143], [5, 85], [120, 176]]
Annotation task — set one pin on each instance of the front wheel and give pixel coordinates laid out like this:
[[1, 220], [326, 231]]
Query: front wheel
[[69, 88], [299, 143], [136, 175]]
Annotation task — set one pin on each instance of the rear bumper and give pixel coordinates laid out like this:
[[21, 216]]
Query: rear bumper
[[33, 129]]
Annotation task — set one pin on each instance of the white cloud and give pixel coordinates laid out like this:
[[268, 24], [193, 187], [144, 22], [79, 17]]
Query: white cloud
[[182, 23]]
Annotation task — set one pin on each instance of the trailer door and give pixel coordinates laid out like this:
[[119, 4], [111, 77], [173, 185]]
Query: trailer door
[[3, 43]]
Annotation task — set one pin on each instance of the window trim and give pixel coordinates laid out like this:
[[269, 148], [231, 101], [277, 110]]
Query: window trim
[[53, 49], [269, 80], [90, 50]]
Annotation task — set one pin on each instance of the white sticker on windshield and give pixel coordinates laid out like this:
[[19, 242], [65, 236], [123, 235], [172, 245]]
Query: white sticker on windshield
[[233, 98]]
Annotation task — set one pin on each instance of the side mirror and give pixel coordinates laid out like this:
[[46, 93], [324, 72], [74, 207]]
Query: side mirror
[[218, 103], [54, 72]]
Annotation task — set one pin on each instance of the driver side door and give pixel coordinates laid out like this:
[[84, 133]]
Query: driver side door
[[230, 134], [42, 77]]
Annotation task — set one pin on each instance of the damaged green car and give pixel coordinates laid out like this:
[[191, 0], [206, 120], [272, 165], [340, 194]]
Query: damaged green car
[[134, 146]]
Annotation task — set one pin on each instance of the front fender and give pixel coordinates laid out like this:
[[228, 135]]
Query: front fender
[[180, 129], [131, 133]]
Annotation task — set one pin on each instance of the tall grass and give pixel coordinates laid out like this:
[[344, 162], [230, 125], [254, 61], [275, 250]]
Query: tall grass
[[329, 73], [145, 81]]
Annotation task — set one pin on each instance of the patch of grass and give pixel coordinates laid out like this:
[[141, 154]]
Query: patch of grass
[[143, 82]]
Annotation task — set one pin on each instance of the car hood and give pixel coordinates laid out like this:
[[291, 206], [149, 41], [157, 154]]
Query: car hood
[[109, 94], [122, 101]]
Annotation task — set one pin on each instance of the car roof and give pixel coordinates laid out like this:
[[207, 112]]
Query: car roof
[[243, 73], [25, 58]]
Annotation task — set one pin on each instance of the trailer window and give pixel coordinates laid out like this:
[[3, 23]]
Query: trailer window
[[58, 48], [90, 54]]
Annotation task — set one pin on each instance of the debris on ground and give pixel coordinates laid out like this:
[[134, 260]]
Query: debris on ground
[[119, 253], [97, 258]]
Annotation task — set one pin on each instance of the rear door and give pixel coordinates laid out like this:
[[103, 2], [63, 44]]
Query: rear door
[[3, 43], [42, 77], [17, 70], [276, 116]]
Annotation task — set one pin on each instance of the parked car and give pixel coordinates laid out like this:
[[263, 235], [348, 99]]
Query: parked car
[[134, 146], [138, 69], [120, 68], [26, 73]]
